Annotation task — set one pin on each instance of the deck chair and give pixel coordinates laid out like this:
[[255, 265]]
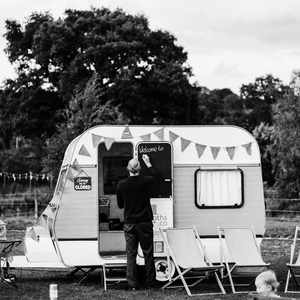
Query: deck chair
[[240, 253], [293, 266], [184, 247]]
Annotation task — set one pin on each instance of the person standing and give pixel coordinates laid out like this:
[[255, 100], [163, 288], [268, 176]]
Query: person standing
[[133, 194]]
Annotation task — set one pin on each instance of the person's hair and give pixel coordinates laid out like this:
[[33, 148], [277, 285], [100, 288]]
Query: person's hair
[[134, 166], [268, 277]]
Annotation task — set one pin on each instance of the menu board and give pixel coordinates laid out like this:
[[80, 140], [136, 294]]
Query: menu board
[[160, 155]]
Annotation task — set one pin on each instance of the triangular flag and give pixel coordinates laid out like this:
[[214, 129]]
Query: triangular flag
[[172, 136], [75, 165], [200, 149], [83, 151], [146, 137], [231, 151], [248, 148], [126, 134], [70, 175], [96, 139], [160, 133], [215, 151], [108, 142], [184, 143], [32, 234]]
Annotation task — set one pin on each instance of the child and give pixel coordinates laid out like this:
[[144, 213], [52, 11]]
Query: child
[[266, 284]]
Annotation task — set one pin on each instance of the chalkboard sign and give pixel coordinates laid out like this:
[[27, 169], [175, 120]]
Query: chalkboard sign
[[161, 159]]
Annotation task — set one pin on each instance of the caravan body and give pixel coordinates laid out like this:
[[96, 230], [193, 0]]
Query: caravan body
[[211, 177]]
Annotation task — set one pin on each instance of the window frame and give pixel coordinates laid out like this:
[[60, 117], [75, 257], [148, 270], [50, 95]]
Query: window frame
[[219, 206]]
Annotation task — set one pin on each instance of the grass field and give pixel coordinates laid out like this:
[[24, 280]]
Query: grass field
[[35, 284]]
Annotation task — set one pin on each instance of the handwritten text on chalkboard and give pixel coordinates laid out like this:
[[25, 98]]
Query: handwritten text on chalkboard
[[158, 148]]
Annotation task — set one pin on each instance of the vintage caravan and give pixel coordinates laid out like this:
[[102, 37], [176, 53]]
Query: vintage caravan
[[211, 177]]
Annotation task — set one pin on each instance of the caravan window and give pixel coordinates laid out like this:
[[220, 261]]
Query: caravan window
[[219, 188]]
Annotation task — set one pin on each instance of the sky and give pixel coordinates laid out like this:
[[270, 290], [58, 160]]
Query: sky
[[229, 43]]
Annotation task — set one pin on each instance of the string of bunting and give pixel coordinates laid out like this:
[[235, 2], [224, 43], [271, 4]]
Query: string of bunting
[[29, 176], [160, 134]]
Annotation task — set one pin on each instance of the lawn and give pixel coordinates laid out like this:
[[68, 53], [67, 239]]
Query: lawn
[[35, 284]]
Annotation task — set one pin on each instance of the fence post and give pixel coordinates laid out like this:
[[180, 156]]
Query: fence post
[[35, 206]]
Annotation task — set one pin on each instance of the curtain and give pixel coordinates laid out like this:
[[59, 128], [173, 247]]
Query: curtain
[[219, 188]]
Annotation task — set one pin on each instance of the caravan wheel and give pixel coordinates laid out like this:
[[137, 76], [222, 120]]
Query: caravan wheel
[[163, 271]]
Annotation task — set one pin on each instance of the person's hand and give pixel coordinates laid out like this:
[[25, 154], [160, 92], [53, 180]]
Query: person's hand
[[146, 160]]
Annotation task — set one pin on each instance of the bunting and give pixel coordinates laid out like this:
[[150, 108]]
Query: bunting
[[108, 142], [75, 165], [184, 143], [159, 133], [248, 148], [31, 233], [146, 137], [96, 139], [83, 151], [231, 151], [70, 175], [126, 133], [25, 177], [215, 151], [200, 149], [173, 136]]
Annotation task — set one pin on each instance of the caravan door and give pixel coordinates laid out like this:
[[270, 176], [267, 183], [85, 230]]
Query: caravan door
[[112, 165]]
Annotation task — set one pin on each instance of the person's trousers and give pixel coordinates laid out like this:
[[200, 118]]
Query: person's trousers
[[134, 234]]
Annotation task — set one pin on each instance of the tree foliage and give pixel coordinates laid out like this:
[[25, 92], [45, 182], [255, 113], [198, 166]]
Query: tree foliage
[[135, 65], [286, 147], [259, 97]]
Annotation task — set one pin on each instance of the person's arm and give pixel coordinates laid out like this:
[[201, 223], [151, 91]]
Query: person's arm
[[150, 170], [120, 199], [153, 174]]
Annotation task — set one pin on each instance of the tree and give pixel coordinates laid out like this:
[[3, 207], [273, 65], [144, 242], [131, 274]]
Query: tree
[[220, 106], [136, 66], [259, 97], [265, 135], [286, 148]]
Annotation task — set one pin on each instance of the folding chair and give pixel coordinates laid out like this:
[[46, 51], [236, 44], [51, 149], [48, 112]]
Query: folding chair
[[184, 247], [293, 267], [240, 253]]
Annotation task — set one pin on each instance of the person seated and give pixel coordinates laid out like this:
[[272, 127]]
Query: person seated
[[266, 284]]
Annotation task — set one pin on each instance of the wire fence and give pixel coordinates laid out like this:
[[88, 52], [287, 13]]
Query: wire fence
[[282, 214]]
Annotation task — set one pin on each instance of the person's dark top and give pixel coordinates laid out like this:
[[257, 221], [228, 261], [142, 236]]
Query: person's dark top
[[133, 194]]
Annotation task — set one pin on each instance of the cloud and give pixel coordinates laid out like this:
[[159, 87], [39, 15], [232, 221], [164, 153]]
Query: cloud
[[227, 70]]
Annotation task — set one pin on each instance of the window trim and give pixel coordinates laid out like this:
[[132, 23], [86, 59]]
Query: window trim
[[220, 206]]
